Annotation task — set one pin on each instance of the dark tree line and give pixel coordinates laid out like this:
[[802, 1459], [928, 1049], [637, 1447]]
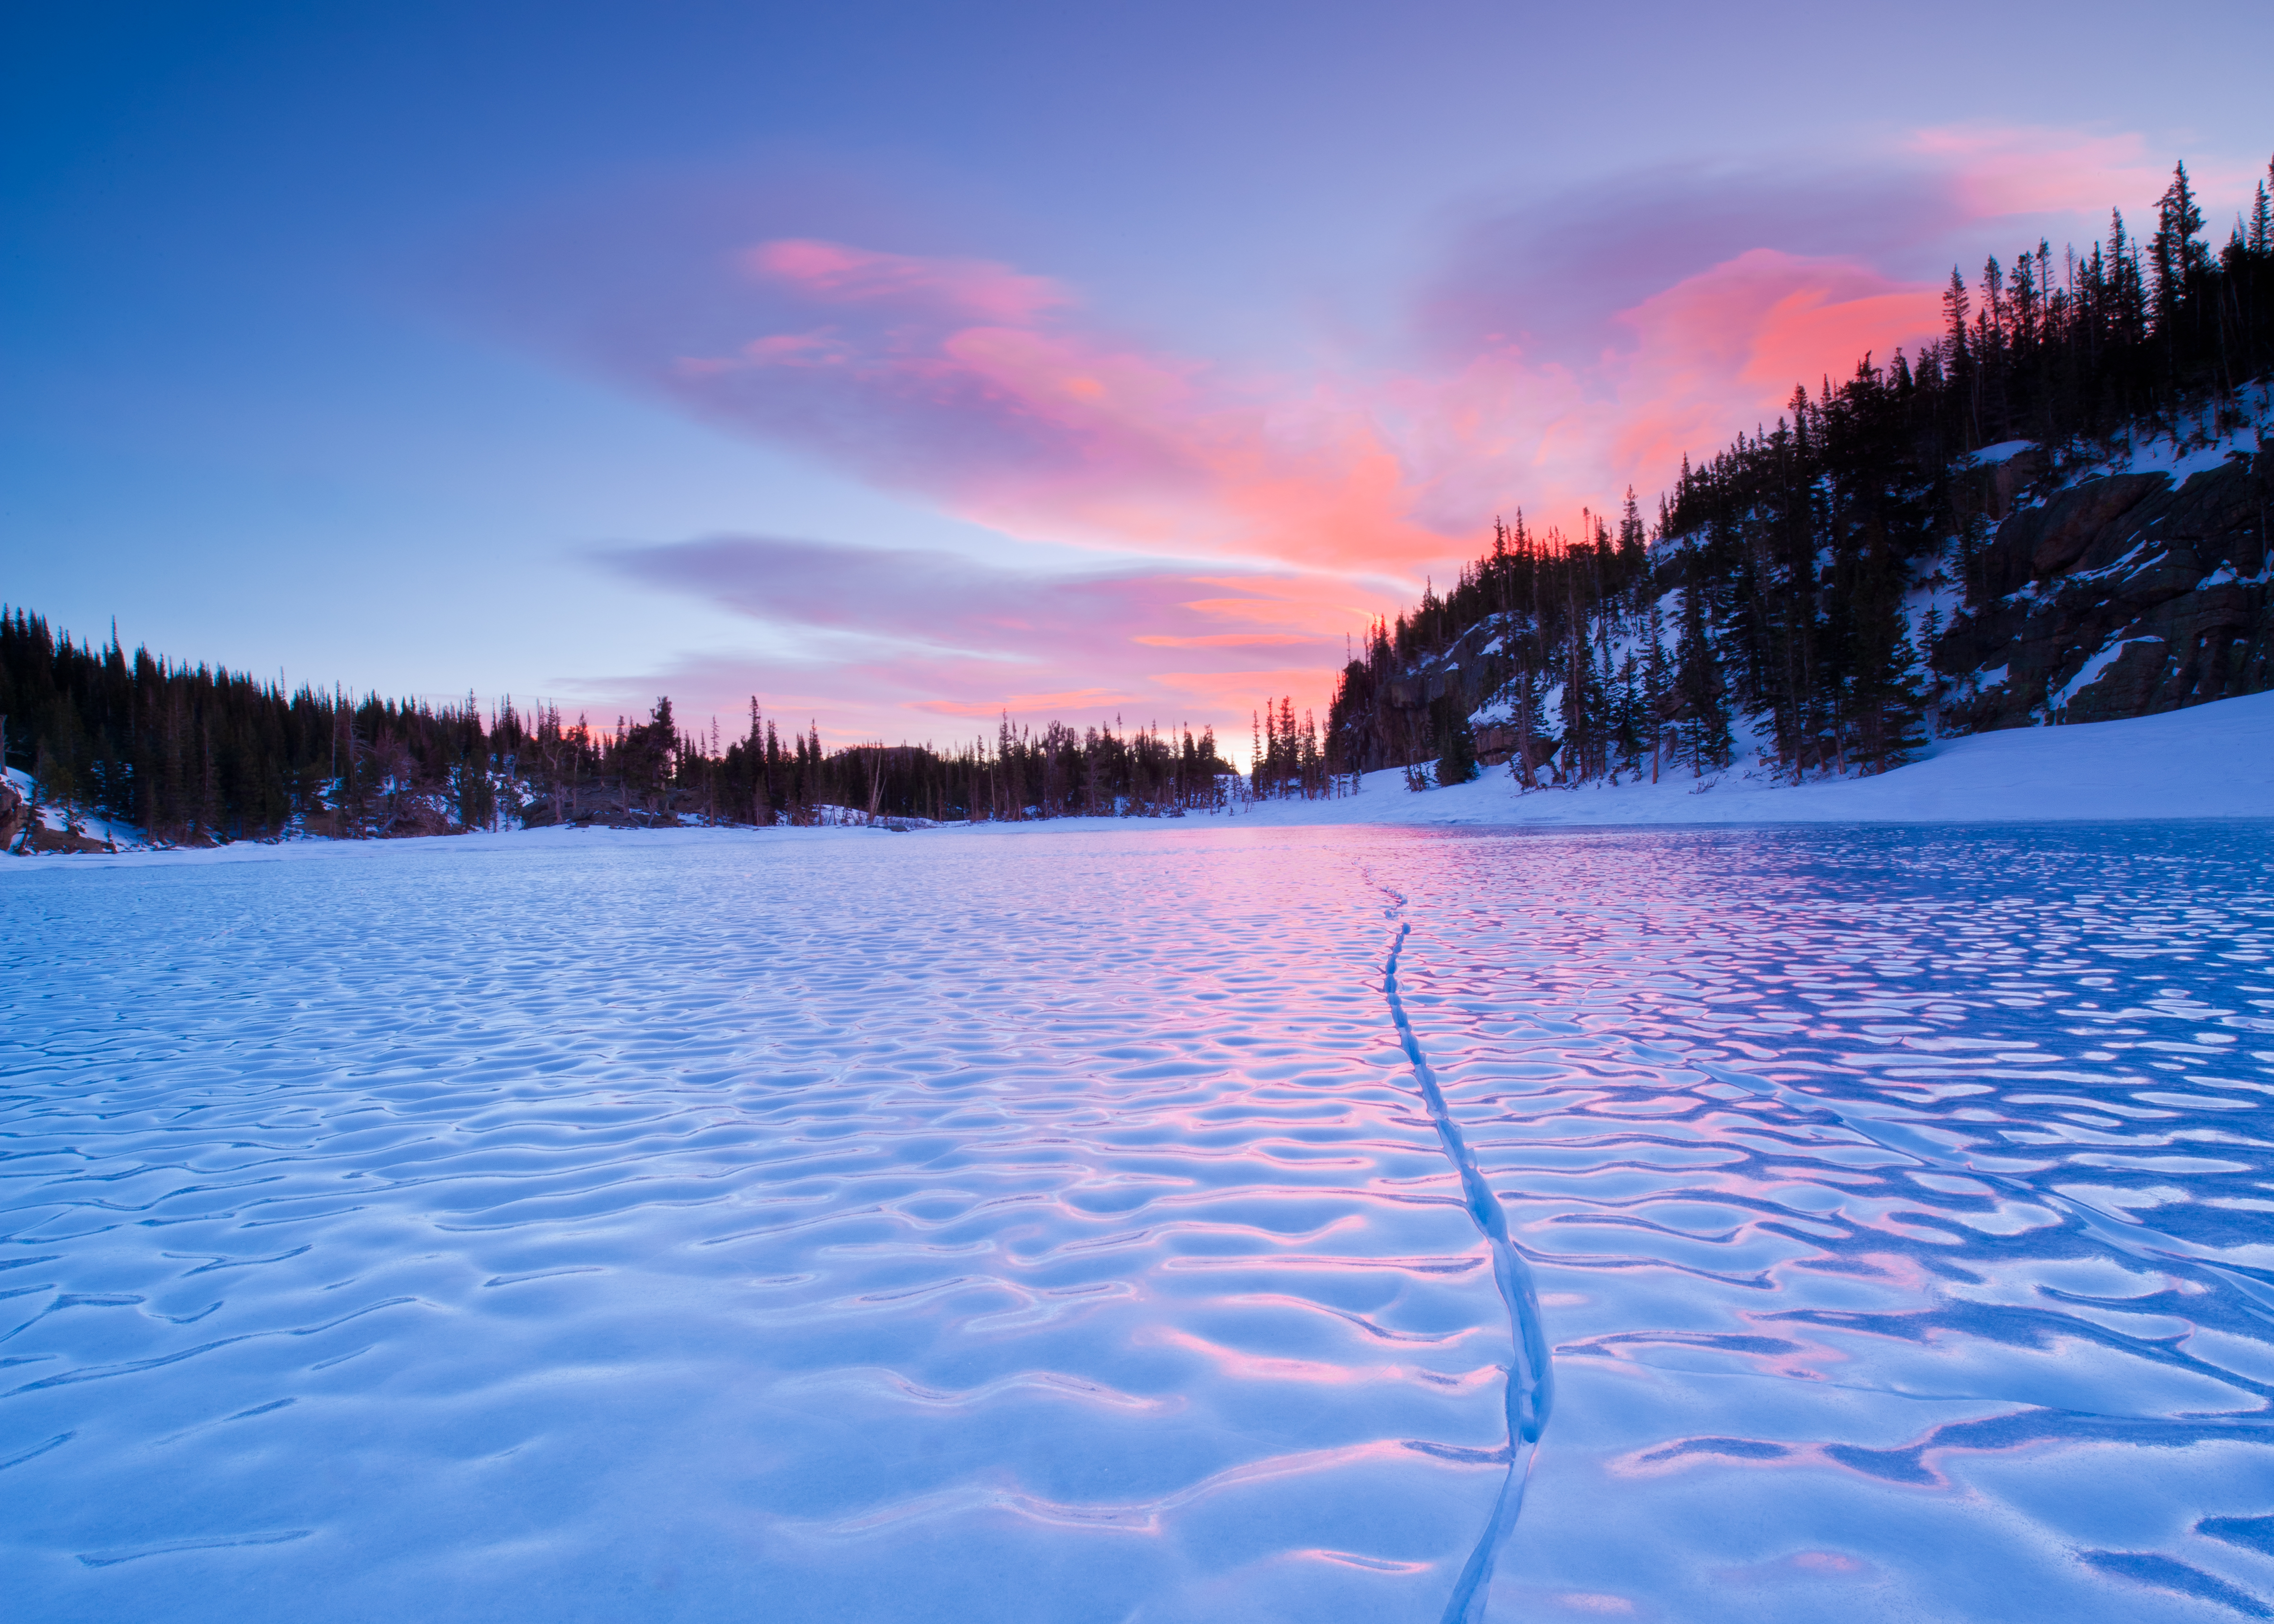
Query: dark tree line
[[1772, 584], [199, 753]]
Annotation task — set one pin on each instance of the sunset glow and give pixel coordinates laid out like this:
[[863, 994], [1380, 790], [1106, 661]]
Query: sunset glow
[[1005, 398], [907, 371]]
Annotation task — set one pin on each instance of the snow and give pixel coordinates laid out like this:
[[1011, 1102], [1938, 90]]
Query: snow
[[2088, 673], [2198, 451], [2208, 761], [2004, 451], [2225, 575], [2139, 558], [59, 819], [1048, 1223]]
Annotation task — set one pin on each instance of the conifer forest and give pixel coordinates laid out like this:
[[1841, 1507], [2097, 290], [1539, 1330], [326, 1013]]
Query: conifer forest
[[1773, 586], [197, 755]]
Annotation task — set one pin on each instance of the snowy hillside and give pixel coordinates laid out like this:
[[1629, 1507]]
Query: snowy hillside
[[1837, 601]]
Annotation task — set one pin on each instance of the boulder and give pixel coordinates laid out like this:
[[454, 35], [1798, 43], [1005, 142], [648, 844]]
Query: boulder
[[15, 814]]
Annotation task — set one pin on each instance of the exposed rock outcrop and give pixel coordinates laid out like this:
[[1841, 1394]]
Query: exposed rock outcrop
[[1394, 721], [2117, 597], [15, 814]]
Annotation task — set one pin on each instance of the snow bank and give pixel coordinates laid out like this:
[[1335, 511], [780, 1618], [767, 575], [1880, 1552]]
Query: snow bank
[[2208, 761]]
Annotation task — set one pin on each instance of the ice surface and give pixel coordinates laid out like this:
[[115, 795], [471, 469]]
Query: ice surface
[[1053, 1225]]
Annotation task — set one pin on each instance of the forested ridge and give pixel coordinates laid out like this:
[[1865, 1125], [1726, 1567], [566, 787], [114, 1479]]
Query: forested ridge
[[197, 754], [1780, 585]]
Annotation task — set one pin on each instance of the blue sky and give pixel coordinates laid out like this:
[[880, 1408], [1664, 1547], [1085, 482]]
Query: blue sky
[[901, 363]]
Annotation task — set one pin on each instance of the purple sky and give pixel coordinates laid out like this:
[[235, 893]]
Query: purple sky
[[904, 363]]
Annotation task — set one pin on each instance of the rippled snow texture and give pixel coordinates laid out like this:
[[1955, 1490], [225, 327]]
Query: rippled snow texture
[[1049, 1226]]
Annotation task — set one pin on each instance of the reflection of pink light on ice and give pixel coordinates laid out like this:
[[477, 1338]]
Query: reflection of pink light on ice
[[1139, 1517], [1351, 1559], [1800, 1565], [1259, 1367], [1303, 1304]]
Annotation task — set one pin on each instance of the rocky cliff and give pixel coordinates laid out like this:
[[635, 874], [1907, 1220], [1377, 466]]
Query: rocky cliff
[[2116, 596], [2059, 592], [15, 815]]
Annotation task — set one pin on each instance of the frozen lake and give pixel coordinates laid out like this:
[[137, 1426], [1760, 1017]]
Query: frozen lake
[[1053, 1225]]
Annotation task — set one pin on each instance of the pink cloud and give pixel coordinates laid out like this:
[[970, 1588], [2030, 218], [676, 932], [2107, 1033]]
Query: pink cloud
[[878, 640], [1031, 423], [978, 290], [1081, 701], [2000, 170], [1715, 354], [962, 381], [1228, 640], [1565, 350], [1054, 431], [1758, 323]]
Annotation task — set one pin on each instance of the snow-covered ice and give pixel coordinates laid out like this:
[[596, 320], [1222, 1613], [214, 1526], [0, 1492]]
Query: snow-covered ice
[[1051, 1225]]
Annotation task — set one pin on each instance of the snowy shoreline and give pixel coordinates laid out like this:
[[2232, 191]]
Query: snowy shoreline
[[2214, 761]]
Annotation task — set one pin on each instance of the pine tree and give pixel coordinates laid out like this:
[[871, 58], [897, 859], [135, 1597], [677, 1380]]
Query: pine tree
[[1658, 700], [1457, 764], [1701, 694]]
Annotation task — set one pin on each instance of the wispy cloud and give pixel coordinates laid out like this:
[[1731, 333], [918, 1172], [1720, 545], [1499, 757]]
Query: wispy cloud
[[871, 634], [1562, 350], [2003, 169], [968, 289]]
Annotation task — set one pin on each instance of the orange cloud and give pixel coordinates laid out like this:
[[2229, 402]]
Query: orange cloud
[[990, 393], [1228, 640], [1030, 425]]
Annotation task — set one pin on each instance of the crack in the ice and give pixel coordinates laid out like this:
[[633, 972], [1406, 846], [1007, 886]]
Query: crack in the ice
[[1530, 1385]]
